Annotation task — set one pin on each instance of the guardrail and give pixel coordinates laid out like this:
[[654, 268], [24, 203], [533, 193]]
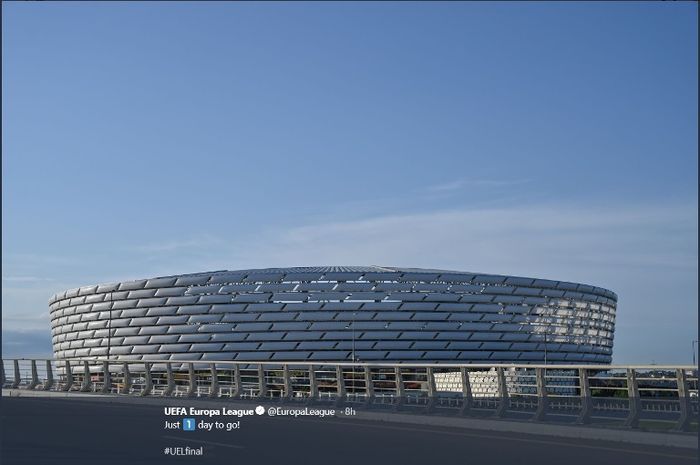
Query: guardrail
[[651, 397]]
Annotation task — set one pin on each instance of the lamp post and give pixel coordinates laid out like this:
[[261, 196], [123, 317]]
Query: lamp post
[[352, 325], [548, 314], [109, 328], [546, 330], [353, 337]]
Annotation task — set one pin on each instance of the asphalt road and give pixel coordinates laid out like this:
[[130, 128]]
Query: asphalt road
[[64, 431]]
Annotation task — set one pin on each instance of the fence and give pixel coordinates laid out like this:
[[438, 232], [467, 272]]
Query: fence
[[651, 397]]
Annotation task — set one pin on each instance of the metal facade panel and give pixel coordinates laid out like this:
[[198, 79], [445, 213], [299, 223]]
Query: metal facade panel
[[429, 315]]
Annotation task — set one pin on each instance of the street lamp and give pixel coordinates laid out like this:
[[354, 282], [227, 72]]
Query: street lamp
[[551, 313], [545, 343], [353, 337], [353, 348], [352, 325], [109, 327]]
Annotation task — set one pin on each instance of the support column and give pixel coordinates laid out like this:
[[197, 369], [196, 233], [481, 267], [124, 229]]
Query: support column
[[431, 390], [106, 378], [586, 400], [35, 376], [313, 387], [467, 399], [400, 394], [86, 385], [69, 377], [369, 386], [683, 401], [127, 378], [237, 381], [148, 387], [170, 380], [192, 388], [262, 385], [340, 385], [502, 393], [18, 377], [214, 390], [287, 383], [49, 376], [542, 400], [633, 397]]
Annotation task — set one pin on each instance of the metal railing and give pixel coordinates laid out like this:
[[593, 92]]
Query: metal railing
[[650, 397]]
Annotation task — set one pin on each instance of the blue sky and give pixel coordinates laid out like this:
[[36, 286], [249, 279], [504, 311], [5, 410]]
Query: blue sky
[[556, 140]]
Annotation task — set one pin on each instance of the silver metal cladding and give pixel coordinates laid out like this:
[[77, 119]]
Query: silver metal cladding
[[339, 313]]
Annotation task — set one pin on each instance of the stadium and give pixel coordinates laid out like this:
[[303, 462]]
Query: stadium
[[337, 314]]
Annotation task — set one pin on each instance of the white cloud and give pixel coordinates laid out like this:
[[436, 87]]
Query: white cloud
[[172, 245], [542, 240], [474, 183]]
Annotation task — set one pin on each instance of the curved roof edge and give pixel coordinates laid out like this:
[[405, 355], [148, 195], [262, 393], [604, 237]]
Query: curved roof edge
[[486, 278]]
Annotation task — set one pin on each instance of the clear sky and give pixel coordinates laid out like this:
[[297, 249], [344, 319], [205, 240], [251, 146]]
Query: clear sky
[[553, 140]]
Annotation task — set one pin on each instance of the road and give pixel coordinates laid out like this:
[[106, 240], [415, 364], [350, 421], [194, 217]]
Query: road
[[41, 431]]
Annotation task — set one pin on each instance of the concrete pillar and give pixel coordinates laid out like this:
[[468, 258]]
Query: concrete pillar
[[287, 383], [504, 402], [400, 393], [170, 380], [214, 389], [86, 385], [634, 402], [35, 376], [49, 376], [192, 388], [586, 400], [237, 381], [683, 401], [369, 386], [313, 386], [2, 374], [69, 377], [467, 399], [106, 378], [18, 377], [432, 391], [542, 400], [148, 387], [340, 380], [262, 384], [127, 378]]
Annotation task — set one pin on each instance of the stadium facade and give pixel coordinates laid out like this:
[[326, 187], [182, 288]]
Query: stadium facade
[[337, 313]]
